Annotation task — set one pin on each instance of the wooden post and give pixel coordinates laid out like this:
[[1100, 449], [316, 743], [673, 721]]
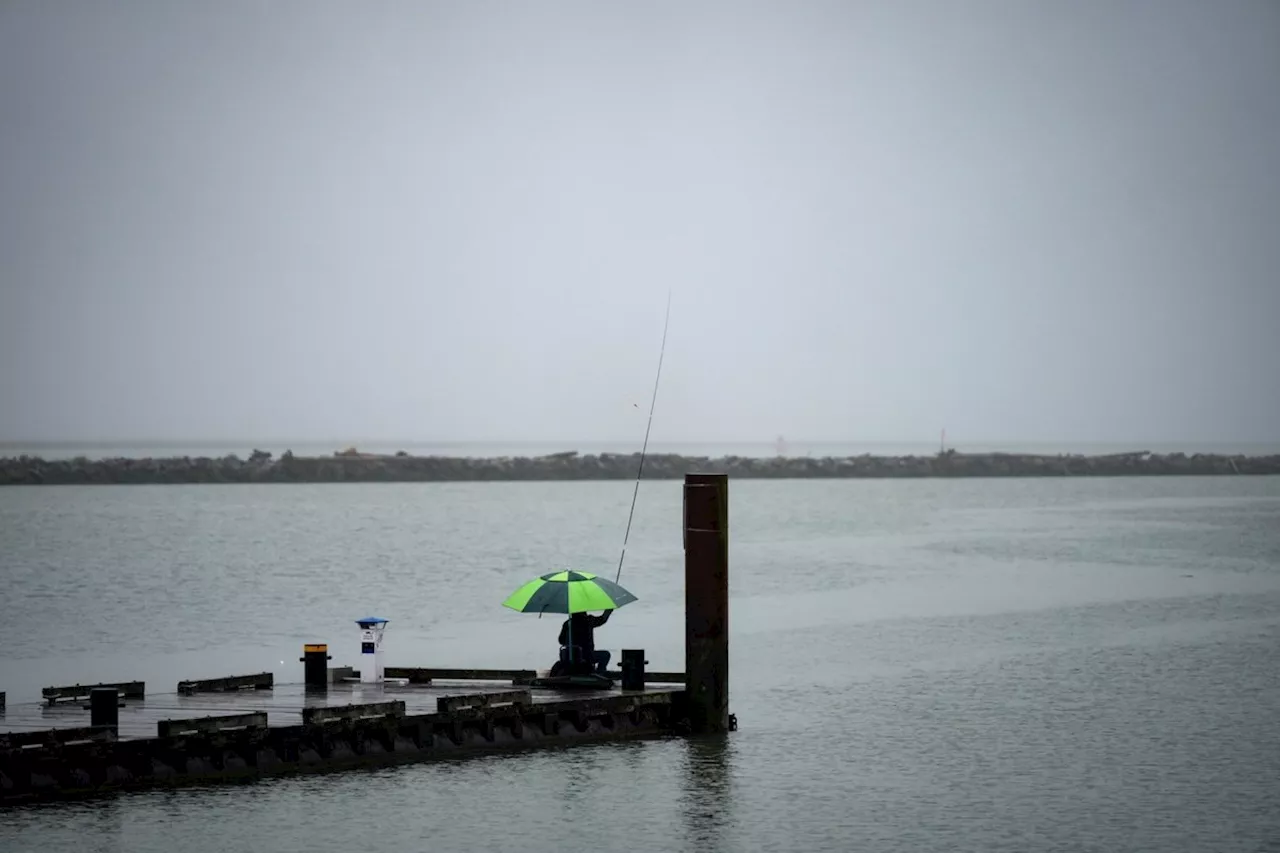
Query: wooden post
[[706, 601]]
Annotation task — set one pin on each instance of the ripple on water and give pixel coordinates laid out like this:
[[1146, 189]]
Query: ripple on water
[[936, 666]]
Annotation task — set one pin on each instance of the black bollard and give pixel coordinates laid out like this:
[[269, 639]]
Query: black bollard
[[1, 701], [104, 706], [632, 666], [315, 670]]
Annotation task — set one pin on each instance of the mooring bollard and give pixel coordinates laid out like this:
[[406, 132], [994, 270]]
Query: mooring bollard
[[104, 706], [1, 701], [632, 667], [315, 670]]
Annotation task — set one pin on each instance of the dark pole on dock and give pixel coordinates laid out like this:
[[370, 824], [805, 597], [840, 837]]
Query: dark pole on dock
[[706, 601], [104, 706], [315, 670]]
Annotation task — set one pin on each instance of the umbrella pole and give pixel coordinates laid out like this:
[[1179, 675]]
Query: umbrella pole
[[568, 606]]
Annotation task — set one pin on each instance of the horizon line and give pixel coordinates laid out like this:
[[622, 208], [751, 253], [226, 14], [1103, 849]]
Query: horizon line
[[568, 444]]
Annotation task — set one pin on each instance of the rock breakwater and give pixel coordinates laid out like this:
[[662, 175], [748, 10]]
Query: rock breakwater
[[354, 467]]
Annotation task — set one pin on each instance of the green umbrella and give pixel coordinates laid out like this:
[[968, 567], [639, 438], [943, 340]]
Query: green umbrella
[[568, 592]]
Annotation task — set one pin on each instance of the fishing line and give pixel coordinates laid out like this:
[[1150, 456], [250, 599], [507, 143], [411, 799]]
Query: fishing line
[[644, 448]]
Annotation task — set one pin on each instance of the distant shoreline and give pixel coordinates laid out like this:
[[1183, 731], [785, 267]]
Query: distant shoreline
[[492, 448], [353, 467]]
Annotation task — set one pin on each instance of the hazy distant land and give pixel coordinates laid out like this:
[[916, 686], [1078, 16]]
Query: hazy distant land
[[352, 466]]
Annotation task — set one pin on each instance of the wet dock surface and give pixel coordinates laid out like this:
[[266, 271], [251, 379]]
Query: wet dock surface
[[283, 704]]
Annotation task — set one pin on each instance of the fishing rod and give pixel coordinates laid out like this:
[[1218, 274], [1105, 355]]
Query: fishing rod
[[652, 405]]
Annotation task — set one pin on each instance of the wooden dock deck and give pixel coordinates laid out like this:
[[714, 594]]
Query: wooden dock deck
[[283, 704], [52, 750]]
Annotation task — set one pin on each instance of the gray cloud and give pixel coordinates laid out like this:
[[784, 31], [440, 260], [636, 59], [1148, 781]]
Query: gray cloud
[[1020, 220]]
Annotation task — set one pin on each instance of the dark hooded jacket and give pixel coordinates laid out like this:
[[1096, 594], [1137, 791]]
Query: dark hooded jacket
[[583, 624]]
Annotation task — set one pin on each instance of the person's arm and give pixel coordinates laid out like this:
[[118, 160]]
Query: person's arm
[[597, 621]]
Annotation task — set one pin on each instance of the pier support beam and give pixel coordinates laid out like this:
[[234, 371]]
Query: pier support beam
[[706, 601]]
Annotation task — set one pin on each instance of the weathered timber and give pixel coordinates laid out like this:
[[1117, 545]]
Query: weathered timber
[[55, 737], [652, 677], [320, 715], [126, 689], [257, 681], [425, 675], [204, 725], [482, 700]]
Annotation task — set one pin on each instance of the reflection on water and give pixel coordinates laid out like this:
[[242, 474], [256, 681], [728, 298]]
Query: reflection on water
[[585, 772], [88, 826], [707, 783]]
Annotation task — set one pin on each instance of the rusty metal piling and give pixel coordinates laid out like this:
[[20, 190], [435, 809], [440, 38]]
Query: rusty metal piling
[[706, 584]]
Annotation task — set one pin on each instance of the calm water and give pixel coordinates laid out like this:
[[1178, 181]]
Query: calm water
[[954, 666]]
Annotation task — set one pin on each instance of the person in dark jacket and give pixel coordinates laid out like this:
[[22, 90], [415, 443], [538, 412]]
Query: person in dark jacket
[[579, 629]]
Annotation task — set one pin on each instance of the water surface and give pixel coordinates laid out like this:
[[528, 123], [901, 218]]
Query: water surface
[[978, 665]]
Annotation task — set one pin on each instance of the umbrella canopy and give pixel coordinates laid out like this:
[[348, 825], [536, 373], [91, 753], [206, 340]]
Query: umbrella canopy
[[568, 592]]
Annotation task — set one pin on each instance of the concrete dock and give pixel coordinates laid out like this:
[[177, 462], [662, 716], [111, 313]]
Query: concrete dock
[[55, 752], [92, 739], [283, 705]]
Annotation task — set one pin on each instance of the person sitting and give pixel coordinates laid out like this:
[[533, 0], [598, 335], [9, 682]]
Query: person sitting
[[578, 645]]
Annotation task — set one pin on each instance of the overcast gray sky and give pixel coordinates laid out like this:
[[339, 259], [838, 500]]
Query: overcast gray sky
[[1019, 220]]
